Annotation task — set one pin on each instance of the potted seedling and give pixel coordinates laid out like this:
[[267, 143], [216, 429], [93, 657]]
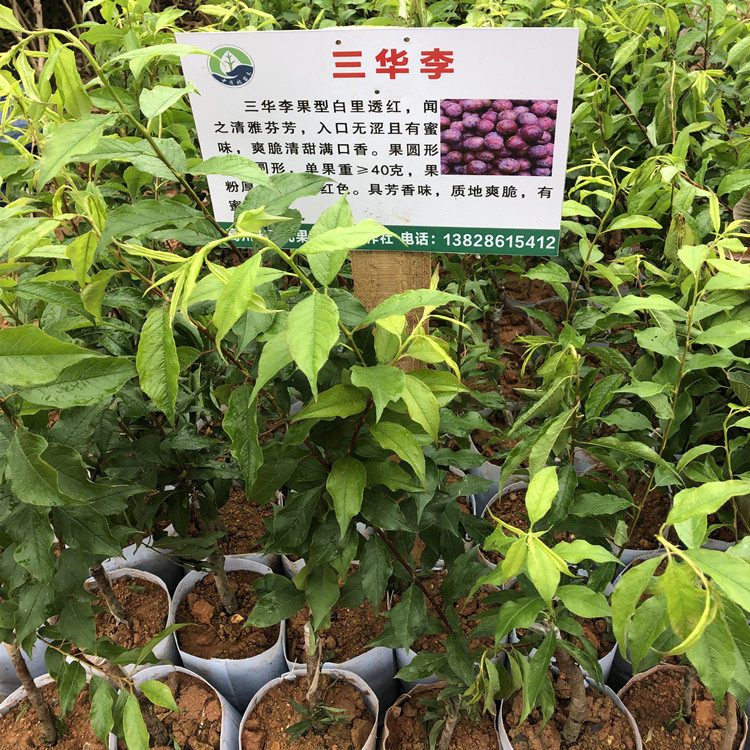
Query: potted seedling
[[553, 707]]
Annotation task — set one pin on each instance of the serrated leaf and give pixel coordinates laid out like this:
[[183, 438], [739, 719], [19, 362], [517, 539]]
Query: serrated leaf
[[241, 424], [346, 485], [159, 694], [340, 401], [312, 331], [397, 438], [30, 357], [157, 362], [385, 382], [133, 727]]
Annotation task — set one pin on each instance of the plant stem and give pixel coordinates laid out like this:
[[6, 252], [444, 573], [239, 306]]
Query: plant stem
[[105, 588], [577, 706], [731, 729], [223, 587], [313, 659], [446, 736], [415, 578], [44, 714], [686, 694]]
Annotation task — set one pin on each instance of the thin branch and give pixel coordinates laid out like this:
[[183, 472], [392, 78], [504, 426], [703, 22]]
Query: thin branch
[[417, 581]]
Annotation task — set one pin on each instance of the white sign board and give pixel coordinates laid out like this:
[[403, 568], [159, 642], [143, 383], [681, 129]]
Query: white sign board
[[456, 139]]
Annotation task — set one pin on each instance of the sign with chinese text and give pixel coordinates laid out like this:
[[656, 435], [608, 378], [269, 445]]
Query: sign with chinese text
[[456, 139]]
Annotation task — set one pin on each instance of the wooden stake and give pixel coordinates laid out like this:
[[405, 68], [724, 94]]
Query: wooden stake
[[381, 273]]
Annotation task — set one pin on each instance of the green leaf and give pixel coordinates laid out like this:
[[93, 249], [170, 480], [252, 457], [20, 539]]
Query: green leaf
[[659, 340], [343, 239], [70, 88], [633, 221], [725, 334], [67, 141], [30, 528], [321, 592], [422, 405], [8, 20], [584, 602], [159, 99], [536, 673], [28, 356], [340, 401], [580, 550], [233, 298], [601, 394], [231, 165], [32, 612], [241, 425], [400, 304], [626, 596], [714, 658], [628, 421], [376, 570], [736, 179], [346, 485], [140, 57], [83, 383], [159, 694], [653, 302], [543, 572], [311, 333], [156, 361], [53, 294], [133, 727], [517, 613], [631, 448], [731, 574], [409, 617], [706, 499], [397, 438], [274, 358], [31, 478], [326, 264], [70, 684], [541, 492], [102, 701], [385, 382], [144, 216], [88, 528], [280, 601], [539, 453], [649, 622], [685, 602]]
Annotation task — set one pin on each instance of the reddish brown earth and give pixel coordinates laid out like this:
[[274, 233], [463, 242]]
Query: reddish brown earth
[[607, 728], [350, 632], [146, 605], [197, 725], [655, 704], [266, 727], [244, 524], [215, 634], [408, 730], [19, 728]]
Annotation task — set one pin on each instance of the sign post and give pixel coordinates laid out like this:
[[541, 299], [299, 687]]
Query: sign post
[[455, 139]]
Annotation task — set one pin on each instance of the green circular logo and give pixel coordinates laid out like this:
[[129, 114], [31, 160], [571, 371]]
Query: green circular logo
[[231, 66]]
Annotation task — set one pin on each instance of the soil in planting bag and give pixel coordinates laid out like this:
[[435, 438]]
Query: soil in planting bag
[[654, 698], [198, 716], [134, 588], [145, 556], [376, 666], [404, 726], [236, 675], [20, 730], [610, 725], [9, 679], [270, 710]]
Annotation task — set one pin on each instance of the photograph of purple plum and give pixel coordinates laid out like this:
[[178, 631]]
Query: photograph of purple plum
[[497, 136]]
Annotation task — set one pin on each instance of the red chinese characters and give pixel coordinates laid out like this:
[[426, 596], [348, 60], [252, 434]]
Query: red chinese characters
[[436, 63], [346, 62], [393, 62]]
